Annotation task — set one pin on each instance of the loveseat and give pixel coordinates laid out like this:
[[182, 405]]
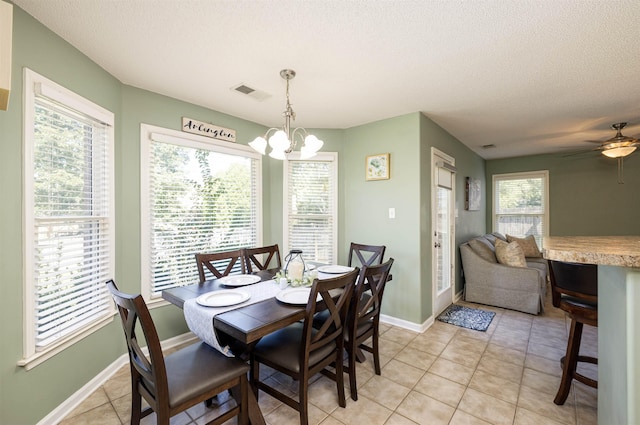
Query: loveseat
[[488, 281]]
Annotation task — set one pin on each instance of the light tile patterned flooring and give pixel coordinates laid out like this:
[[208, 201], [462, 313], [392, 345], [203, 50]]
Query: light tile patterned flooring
[[446, 375]]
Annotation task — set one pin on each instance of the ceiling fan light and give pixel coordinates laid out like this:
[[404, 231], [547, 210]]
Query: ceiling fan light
[[619, 152]]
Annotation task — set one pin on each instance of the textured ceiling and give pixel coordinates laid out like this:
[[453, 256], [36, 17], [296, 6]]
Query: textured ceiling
[[526, 76]]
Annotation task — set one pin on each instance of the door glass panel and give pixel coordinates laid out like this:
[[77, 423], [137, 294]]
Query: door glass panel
[[443, 240]]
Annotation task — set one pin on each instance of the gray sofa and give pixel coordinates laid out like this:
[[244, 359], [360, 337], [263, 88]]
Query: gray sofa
[[489, 282]]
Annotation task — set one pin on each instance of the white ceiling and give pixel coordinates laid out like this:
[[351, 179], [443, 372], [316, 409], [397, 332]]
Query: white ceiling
[[526, 76]]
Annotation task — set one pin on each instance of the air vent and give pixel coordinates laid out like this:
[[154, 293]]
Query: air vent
[[491, 146], [251, 92], [244, 89]]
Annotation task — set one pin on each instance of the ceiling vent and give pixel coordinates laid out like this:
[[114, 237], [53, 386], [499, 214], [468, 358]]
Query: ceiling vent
[[251, 92]]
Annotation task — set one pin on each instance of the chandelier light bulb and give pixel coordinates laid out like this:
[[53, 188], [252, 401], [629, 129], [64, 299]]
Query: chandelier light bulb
[[313, 143], [259, 144], [279, 141]]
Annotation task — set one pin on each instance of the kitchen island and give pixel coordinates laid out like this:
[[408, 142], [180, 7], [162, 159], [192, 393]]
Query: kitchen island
[[618, 260]]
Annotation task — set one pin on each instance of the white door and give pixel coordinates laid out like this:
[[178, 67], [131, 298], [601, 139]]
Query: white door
[[443, 222]]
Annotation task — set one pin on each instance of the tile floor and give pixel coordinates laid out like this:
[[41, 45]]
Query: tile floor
[[446, 375]]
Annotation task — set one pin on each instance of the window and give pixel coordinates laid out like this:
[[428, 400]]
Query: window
[[69, 234], [520, 204], [311, 211], [198, 195]]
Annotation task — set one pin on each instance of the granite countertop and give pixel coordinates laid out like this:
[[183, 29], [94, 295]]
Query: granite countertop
[[621, 251]]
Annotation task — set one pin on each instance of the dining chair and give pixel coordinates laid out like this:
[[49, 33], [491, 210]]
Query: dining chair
[[363, 321], [574, 289], [172, 384], [365, 255], [300, 350], [269, 254], [220, 264]]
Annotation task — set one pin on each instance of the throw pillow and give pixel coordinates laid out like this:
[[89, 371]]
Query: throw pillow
[[510, 254], [483, 250], [528, 245], [499, 236]]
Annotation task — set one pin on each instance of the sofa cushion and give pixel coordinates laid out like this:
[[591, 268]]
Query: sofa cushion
[[528, 245], [510, 254], [484, 249]]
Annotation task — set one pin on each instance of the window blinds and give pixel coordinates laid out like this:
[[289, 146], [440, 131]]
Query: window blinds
[[71, 245], [520, 205], [201, 198], [310, 220]]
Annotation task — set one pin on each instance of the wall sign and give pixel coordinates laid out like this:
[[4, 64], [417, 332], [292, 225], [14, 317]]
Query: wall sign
[[209, 130]]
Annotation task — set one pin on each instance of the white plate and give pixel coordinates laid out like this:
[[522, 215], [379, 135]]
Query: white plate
[[335, 269], [223, 298], [295, 296], [239, 280]]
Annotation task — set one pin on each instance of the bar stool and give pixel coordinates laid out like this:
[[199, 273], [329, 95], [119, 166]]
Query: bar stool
[[574, 289]]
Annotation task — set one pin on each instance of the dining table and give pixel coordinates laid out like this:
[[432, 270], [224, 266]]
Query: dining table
[[238, 329]]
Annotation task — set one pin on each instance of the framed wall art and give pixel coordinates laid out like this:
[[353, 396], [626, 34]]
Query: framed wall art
[[377, 167], [472, 194]]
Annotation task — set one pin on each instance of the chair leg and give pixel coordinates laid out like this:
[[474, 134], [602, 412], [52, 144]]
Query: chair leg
[[340, 378], [376, 355], [136, 407], [304, 400], [352, 372], [569, 362]]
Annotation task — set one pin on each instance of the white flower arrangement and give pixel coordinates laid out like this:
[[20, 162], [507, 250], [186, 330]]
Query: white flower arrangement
[[307, 278]]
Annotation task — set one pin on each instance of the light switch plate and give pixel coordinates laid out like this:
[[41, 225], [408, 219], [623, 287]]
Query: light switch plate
[[392, 213]]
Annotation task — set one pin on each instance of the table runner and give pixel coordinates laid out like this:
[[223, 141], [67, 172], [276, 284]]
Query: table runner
[[200, 319]]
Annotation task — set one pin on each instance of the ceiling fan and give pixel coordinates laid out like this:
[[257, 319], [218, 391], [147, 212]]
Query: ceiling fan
[[618, 147]]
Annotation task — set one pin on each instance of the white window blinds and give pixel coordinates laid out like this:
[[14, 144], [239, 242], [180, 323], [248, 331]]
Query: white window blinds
[[69, 213], [310, 219], [199, 197], [520, 204]]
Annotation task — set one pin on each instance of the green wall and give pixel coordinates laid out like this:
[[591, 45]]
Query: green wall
[[408, 139], [584, 196], [28, 396], [367, 203]]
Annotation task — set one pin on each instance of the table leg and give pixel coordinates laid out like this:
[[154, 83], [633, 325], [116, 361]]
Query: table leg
[[255, 414]]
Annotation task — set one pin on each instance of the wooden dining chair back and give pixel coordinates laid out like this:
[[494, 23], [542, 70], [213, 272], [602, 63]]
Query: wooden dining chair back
[[574, 289], [364, 318], [301, 350], [172, 384], [263, 258], [220, 264], [365, 255]]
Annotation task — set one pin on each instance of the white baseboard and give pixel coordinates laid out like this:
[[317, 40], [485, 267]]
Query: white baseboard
[[406, 324], [64, 409], [390, 320]]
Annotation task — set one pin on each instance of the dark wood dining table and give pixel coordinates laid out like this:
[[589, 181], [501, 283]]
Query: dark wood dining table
[[242, 328]]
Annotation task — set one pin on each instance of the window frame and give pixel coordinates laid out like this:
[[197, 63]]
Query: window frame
[[331, 157], [544, 174], [35, 85], [147, 134]]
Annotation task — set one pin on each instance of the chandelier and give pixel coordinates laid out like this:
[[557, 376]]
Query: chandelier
[[283, 141]]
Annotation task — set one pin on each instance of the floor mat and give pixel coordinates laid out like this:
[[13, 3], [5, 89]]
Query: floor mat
[[467, 317]]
